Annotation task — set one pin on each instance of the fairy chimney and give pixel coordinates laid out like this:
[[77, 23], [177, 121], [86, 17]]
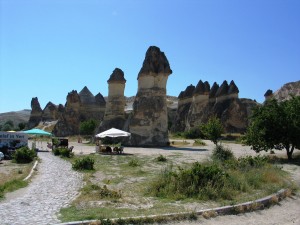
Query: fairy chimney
[[149, 122], [114, 113]]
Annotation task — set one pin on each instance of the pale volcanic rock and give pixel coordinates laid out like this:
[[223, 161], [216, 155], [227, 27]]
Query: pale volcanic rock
[[149, 122], [115, 106], [287, 90]]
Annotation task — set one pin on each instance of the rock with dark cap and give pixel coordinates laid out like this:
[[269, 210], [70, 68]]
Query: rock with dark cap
[[213, 90], [206, 87], [199, 90], [189, 91], [117, 76], [100, 100], [181, 95], [223, 89], [233, 89], [155, 62], [149, 122], [114, 115], [86, 96], [268, 93]]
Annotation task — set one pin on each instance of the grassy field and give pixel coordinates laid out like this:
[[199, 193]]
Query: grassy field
[[129, 185]]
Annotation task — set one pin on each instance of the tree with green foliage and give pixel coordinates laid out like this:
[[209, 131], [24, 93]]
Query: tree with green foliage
[[22, 126], [213, 129], [275, 125], [8, 125], [88, 127]]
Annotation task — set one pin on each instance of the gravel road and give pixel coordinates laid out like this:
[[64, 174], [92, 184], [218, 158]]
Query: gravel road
[[54, 187]]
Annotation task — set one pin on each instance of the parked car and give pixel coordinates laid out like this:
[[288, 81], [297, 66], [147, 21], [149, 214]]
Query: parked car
[[1, 156]]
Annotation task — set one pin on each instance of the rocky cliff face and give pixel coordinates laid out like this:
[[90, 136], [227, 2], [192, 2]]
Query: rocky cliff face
[[285, 92], [149, 122], [197, 105]]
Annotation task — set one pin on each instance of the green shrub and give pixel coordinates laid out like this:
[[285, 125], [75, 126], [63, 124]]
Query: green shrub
[[107, 193], [64, 152], [161, 158], [85, 163], [56, 151], [222, 154], [193, 133], [189, 182], [134, 162], [252, 162], [24, 155]]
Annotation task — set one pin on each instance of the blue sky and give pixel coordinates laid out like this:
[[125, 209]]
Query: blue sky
[[51, 47]]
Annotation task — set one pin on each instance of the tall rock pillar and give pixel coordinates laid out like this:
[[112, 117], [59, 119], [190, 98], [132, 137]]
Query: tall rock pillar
[[36, 113], [149, 122], [114, 113]]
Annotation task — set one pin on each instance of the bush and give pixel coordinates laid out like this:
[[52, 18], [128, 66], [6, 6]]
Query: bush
[[86, 163], [222, 154], [102, 192], [252, 162], [161, 158], [24, 155], [64, 152], [189, 182], [193, 133], [134, 163]]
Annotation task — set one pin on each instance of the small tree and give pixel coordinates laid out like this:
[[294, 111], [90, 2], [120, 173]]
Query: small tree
[[21, 126], [8, 125], [275, 125], [213, 129], [88, 127]]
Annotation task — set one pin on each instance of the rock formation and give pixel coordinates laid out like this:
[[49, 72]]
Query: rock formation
[[66, 119], [69, 121], [288, 89], [115, 107], [222, 102], [50, 112], [36, 113], [268, 95], [149, 122], [91, 106], [185, 100], [79, 107]]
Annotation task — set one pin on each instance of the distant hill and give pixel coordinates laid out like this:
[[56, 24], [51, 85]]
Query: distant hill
[[16, 117]]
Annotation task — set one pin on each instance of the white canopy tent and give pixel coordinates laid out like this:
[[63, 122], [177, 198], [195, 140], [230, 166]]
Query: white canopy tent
[[113, 132]]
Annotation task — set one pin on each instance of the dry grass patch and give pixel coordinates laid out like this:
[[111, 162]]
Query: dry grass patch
[[12, 175], [122, 186]]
